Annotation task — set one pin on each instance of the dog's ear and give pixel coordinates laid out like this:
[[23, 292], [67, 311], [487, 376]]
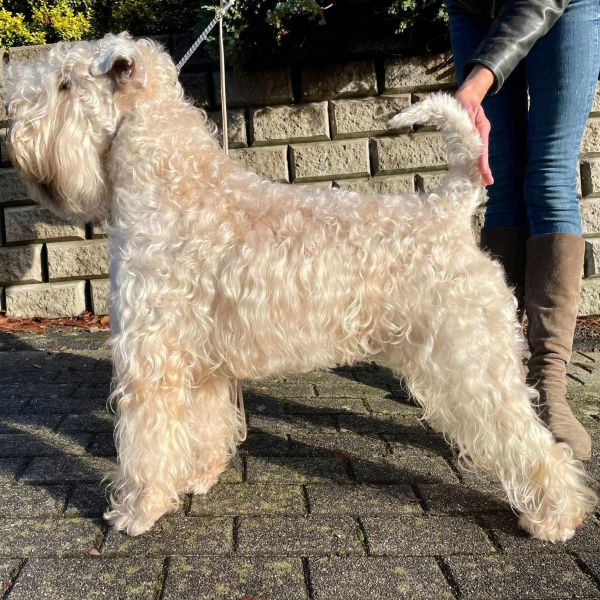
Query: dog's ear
[[120, 58]]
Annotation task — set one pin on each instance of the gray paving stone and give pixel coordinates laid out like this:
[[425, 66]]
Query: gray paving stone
[[342, 387], [451, 499], [519, 577], [417, 466], [234, 472], [425, 536], [91, 578], [87, 500], [56, 404], [10, 468], [326, 405], [50, 537], [97, 422], [392, 406], [299, 536], [46, 443], [235, 499], [8, 571], [9, 406], [264, 444], [401, 425], [411, 440], [234, 578], [19, 389], [337, 444], [280, 388], [296, 423], [375, 375], [28, 423], [296, 470], [22, 500], [174, 534], [67, 469], [362, 500], [103, 445], [592, 561], [515, 540], [357, 578]]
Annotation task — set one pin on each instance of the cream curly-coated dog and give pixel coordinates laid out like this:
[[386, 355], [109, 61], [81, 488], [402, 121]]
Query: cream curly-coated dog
[[221, 275]]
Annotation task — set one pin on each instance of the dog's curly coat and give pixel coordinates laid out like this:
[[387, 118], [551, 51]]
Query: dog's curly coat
[[219, 274]]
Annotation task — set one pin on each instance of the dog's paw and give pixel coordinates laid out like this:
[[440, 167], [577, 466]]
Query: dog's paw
[[200, 487], [136, 518], [555, 528], [129, 523]]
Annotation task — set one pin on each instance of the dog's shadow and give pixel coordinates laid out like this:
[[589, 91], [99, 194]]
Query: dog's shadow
[[57, 433]]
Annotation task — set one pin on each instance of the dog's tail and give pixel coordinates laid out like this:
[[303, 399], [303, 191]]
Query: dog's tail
[[462, 140]]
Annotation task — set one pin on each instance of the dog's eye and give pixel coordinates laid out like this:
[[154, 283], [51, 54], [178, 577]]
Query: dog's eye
[[64, 84]]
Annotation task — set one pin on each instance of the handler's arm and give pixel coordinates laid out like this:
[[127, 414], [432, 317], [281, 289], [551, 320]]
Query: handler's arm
[[514, 31]]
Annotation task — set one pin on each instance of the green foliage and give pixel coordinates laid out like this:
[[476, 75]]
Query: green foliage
[[24, 22], [14, 30], [257, 31], [152, 17], [263, 30]]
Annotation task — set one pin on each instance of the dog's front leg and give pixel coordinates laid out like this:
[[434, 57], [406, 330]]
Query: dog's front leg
[[154, 438], [154, 451], [174, 436]]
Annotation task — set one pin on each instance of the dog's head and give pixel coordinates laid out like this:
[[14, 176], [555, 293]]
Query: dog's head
[[65, 111]]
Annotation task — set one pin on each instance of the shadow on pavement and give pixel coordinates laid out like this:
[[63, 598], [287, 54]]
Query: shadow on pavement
[[55, 430]]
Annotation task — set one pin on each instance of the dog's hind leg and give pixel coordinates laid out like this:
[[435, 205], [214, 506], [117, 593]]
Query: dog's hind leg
[[463, 366]]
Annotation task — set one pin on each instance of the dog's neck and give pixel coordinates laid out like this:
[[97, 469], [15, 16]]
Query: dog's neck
[[184, 144]]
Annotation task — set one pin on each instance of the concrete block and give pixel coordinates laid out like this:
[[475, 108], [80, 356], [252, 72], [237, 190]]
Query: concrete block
[[197, 87], [423, 72], [256, 87], [28, 53], [299, 123], [591, 137], [236, 127], [77, 259], [46, 300], [392, 186], [592, 256], [338, 81], [589, 301], [329, 160], [596, 102], [21, 263], [590, 176], [100, 289], [12, 187], [353, 118], [270, 162], [406, 152], [590, 215], [31, 223]]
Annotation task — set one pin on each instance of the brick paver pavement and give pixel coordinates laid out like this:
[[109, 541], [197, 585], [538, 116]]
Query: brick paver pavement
[[339, 493]]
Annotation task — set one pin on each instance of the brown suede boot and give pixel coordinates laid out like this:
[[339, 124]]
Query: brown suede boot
[[553, 284], [508, 246]]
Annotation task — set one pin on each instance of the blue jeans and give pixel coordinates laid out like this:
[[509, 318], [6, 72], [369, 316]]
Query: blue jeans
[[534, 149]]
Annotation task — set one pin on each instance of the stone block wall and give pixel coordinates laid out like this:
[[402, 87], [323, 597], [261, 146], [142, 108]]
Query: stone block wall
[[323, 126]]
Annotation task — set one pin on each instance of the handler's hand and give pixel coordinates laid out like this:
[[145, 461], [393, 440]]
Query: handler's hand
[[470, 94]]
